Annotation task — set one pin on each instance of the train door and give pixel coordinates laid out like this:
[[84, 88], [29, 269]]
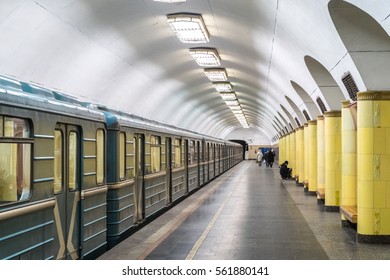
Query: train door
[[139, 171], [214, 160], [200, 167], [187, 163], [168, 160], [203, 160], [67, 187], [207, 162]]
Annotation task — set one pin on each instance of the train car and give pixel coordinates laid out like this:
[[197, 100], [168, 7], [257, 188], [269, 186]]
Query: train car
[[76, 178], [150, 166], [52, 184]]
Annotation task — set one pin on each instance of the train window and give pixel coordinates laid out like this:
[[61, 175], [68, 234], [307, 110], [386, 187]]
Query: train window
[[100, 156], [200, 145], [155, 150], [72, 161], [192, 155], [189, 152], [122, 155], [14, 171], [177, 157], [15, 160], [195, 155], [14, 127], [196, 145], [130, 162], [58, 161], [211, 152]]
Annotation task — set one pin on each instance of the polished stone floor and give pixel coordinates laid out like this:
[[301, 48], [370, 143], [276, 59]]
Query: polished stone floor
[[248, 213]]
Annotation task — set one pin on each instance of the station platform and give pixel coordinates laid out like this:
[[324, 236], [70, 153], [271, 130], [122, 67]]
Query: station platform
[[247, 213]]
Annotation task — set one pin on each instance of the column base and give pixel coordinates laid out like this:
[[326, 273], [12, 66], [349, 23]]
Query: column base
[[298, 183], [320, 201], [373, 239], [312, 193], [348, 224], [329, 208]]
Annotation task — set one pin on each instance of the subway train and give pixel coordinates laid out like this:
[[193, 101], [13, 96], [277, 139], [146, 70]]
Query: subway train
[[76, 178]]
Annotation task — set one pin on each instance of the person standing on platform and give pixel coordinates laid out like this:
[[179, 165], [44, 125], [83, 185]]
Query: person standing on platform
[[271, 157], [259, 157], [265, 158]]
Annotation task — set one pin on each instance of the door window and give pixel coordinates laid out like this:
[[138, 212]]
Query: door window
[[72, 161]]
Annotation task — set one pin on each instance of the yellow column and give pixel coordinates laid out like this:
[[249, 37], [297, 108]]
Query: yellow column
[[296, 173], [312, 186], [301, 156], [306, 156], [292, 161], [332, 160], [287, 156], [320, 157], [282, 147], [297, 149], [373, 156], [348, 169]]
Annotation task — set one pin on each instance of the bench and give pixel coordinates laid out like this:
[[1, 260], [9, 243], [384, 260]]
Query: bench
[[320, 193], [350, 212]]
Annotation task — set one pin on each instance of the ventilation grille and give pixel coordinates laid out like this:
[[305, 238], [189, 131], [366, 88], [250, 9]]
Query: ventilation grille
[[321, 105], [350, 85], [306, 115]]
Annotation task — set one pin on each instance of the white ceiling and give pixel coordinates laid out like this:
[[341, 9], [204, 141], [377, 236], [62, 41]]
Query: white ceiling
[[280, 55]]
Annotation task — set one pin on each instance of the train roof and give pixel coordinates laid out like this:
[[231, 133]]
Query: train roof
[[116, 119], [40, 98], [21, 94]]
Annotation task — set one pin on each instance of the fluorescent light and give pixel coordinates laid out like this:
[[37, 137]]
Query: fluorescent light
[[205, 57], [223, 86], [170, 1], [228, 95], [216, 74], [239, 114], [189, 28], [232, 102], [235, 108]]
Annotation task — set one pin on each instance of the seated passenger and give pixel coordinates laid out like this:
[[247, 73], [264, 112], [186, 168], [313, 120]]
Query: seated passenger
[[285, 172]]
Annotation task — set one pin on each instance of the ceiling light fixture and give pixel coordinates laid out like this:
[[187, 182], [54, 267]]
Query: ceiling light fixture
[[189, 28], [235, 108], [205, 56], [223, 86], [239, 114], [216, 74], [232, 102], [228, 95]]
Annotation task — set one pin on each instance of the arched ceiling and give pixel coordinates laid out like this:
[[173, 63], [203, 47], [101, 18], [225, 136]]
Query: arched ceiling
[[123, 54]]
